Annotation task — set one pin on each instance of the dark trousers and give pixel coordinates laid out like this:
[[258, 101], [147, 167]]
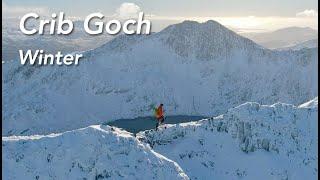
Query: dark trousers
[[159, 121]]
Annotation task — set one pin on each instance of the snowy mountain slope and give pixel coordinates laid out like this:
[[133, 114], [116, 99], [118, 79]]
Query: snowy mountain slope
[[310, 104], [313, 43], [95, 152], [251, 141], [193, 68]]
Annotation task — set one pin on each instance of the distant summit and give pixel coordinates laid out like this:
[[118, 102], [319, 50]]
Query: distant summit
[[204, 41], [313, 43], [285, 37]]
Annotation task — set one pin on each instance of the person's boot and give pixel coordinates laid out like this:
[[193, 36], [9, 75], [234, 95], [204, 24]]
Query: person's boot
[[157, 126]]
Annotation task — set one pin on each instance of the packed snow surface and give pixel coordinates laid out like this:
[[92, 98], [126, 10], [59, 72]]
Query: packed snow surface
[[310, 104], [95, 152]]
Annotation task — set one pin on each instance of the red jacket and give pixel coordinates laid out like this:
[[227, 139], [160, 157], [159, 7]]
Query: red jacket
[[159, 112]]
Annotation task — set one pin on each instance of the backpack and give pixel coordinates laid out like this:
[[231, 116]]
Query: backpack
[[155, 112]]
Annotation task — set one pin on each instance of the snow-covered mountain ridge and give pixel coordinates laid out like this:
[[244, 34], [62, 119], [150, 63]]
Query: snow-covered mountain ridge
[[251, 141], [95, 152], [313, 43], [204, 41], [284, 37], [193, 68]]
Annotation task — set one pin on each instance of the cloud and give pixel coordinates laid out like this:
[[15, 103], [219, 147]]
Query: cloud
[[128, 10], [17, 11], [307, 13]]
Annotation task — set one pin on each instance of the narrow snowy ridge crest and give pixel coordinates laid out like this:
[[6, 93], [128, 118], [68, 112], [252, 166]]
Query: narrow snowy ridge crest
[[95, 152], [208, 148]]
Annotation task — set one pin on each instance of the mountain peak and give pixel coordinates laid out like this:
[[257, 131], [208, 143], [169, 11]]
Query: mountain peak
[[197, 25], [190, 22], [295, 29], [203, 41], [212, 22]]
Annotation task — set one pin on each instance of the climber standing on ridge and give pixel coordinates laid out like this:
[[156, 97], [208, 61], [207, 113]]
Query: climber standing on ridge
[[159, 115]]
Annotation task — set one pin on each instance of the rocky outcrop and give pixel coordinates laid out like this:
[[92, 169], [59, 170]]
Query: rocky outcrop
[[282, 137]]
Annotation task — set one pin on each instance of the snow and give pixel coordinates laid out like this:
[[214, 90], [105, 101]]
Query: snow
[[95, 152], [251, 141], [313, 43], [310, 104], [201, 69], [193, 68]]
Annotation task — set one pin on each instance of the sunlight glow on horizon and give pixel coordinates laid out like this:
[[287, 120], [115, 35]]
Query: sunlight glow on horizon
[[252, 23], [240, 24]]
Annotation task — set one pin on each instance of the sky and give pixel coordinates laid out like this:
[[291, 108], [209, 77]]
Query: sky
[[241, 15]]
